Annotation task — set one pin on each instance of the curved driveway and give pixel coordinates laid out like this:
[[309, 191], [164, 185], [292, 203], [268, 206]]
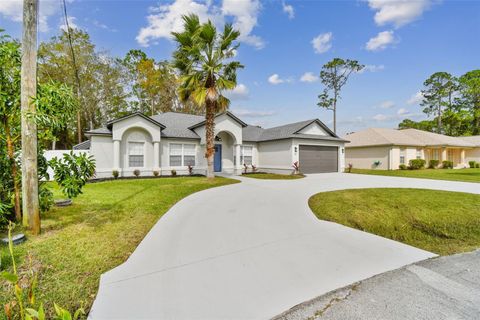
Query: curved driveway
[[251, 251]]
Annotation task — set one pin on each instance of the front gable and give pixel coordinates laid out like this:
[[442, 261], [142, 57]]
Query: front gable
[[120, 126], [225, 122], [315, 129]]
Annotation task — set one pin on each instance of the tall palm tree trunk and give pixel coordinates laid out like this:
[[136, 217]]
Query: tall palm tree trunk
[[13, 168], [210, 136]]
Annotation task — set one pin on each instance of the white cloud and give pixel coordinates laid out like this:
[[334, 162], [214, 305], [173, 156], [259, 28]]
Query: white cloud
[[380, 117], [289, 10], [239, 93], [401, 114], [402, 111], [323, 42], [415, 99], [252, 114], [308, 77], [275, 79], [387, 104], [372, 68], [398, 12], [166, 18], [71, 23], [381, 41], [13, 10]]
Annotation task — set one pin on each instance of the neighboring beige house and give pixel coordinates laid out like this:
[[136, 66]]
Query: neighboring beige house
[[387, 149], [173, 141]]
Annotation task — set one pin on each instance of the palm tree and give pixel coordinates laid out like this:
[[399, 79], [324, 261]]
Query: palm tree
[[203, 59]]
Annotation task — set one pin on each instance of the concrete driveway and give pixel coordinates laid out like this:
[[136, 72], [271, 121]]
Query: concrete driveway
[[251, 251]]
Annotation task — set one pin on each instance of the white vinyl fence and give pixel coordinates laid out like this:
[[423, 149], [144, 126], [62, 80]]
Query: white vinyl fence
[[50, 154]]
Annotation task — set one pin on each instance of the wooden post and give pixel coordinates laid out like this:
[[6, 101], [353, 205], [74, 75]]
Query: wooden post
[[31, 213]]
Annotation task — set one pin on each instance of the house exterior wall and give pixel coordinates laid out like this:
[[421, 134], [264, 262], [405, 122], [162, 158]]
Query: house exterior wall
[[120, 127], [364, 157], [200, 161], [314, 128], [341, 149], [472, 155], [136, 134], [101, 148], [275, 156]]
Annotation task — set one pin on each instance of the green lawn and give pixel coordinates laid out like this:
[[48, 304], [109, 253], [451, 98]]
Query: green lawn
[[98, 232], [438, 221], [467, 175], [273, 176]]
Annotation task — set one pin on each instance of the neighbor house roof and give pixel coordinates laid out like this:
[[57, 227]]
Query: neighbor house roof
[[406, 137], [85, 145], [181, 125]]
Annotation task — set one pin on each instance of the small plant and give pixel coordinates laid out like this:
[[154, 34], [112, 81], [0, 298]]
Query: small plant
[[72, 172], [173, 172], [349, 167], [477, 165], [433, 164], [115, 174], [24, 291], [416, 164], [245, 168], [156, 173], [403, 167], [377, 163], [296, 167], [190, 169], [136, 172], [472, 164], [254, 168], [446, 164]]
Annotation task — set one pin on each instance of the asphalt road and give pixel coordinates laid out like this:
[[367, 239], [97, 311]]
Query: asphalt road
[[436, 289]]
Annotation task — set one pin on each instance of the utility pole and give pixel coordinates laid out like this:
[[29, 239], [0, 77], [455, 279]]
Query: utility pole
[[31, 213]]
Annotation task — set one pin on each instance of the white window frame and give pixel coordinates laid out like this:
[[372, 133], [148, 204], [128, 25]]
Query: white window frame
[[182, 154], [403, 152], [419, 154], [242, 154], [435, 154], [129, 154]]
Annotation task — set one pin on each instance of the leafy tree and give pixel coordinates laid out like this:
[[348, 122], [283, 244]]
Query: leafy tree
[[203, 59], [334, 76], [425, 125], [72, 172], [438, 95], [469, 89]]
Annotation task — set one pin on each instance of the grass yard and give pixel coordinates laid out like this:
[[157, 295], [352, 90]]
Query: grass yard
[[273, 176], [438, 221], [98, 232], [467, 175]]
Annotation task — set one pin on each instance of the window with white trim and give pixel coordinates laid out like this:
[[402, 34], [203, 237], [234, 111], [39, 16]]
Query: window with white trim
[[246, 155], [182, 154], [419, 153], [136, 154], [435, 154], [402, 156]]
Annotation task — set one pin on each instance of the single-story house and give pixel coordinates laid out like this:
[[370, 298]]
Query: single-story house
[[387, 149], [173, 141]]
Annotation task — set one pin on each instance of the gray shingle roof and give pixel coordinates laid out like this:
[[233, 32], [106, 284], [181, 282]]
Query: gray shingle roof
[[472, 139], [102, 131], [85, 145], [177, 124]]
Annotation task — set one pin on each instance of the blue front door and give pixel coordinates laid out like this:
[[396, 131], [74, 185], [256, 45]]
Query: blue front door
[[217, 160]]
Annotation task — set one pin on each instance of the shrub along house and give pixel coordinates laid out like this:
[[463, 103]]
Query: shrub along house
[[387, 149], [173, 141]]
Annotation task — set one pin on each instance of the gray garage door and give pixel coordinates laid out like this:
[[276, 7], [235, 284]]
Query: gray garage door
[[317, 159]]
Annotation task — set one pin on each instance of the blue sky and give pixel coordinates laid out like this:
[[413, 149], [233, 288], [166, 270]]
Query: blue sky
[[285, 43]]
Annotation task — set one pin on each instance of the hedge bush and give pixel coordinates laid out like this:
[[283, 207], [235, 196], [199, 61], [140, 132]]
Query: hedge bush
[[416, 164], [472, 164], [403, 167], [432, 164], [447, 164]]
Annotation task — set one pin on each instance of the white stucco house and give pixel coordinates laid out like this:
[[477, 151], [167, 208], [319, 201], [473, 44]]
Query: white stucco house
[[173, 141]]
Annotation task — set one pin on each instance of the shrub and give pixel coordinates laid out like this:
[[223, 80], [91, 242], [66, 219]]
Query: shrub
[[136, 172], [174, 173], [477, 165], [156, 173], [296, 167], [115, 174], [403, 167], [416, 164], [254, 168], [447, 164], [349, 167], [190, 169], [432, 164], [72, 172], [472, 164], [245, 168], [376, 163]]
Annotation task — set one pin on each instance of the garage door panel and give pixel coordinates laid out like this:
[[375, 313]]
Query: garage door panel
[[318, 159]]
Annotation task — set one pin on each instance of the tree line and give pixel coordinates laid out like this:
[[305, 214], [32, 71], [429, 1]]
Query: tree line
[[454, 103]]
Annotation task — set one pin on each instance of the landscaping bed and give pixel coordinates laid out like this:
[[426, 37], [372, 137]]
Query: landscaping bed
[[273, 176], [437, 221], [466, 175], [96, 233]]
